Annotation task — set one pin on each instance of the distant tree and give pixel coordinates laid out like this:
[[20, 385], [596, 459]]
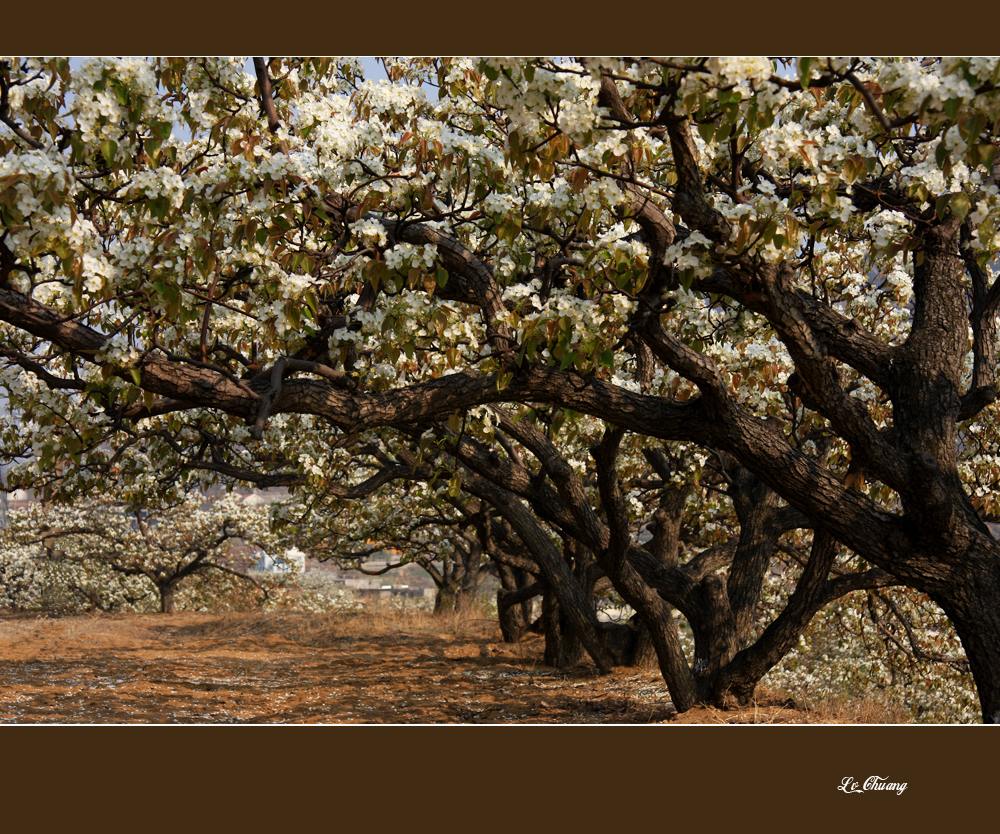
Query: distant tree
[[113, 555], [406, 527]]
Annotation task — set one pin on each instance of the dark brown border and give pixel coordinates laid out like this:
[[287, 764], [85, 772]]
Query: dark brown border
[[470, 779], [504, 27], [610, 779]]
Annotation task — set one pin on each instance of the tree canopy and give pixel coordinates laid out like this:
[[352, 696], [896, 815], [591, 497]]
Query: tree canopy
[[572, 291]]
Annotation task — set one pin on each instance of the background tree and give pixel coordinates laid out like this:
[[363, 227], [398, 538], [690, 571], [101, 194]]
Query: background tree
[[115, 556], [403, 526]]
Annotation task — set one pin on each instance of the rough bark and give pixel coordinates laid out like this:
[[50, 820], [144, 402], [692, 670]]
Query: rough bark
[[654, 612], [973, 607], [459, 590], [514, 598], [563, 648], [748, 667], [168, 598]]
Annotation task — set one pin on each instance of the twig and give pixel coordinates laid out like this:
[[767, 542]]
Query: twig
[[266, 94]]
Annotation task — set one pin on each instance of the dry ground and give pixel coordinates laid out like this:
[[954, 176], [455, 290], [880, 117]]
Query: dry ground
[[372, 667]]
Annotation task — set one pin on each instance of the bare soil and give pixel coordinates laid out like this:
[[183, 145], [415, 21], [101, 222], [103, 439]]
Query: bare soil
[[303, 668]]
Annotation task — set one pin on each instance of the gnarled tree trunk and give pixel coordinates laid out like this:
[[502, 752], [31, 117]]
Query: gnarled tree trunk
[[514, 602], [973, 606], [563, 648]]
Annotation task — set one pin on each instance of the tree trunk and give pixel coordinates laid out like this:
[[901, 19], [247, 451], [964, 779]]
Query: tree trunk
[[738, 679], [457, 594], [630, 643], [167, 598], [578, 608], [715, 639], [513, 623], [514, 602], [643, 653], [973, 606], [446, 600], [563, 648], [755, 504]]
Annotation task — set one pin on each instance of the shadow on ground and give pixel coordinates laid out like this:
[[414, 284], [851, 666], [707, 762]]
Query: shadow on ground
[[299, 668]]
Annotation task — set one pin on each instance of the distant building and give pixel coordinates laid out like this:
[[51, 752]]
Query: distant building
[[292, 559]]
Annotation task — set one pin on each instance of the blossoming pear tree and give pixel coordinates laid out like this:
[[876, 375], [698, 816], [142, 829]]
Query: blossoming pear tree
[[406, 526], [116, 557], [789, 265]]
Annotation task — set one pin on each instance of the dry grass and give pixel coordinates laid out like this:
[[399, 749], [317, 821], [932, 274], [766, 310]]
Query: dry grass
[[772, 707], [383, 665], [389, 618], [865, 710]]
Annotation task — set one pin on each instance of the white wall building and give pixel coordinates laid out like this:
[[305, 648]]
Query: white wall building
[[292, 559]]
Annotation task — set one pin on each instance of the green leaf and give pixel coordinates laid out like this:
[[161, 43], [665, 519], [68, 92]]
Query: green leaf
[[804, 65], [158, 207], [109, 148], [161, 130], [960, 205], [985, 154]]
